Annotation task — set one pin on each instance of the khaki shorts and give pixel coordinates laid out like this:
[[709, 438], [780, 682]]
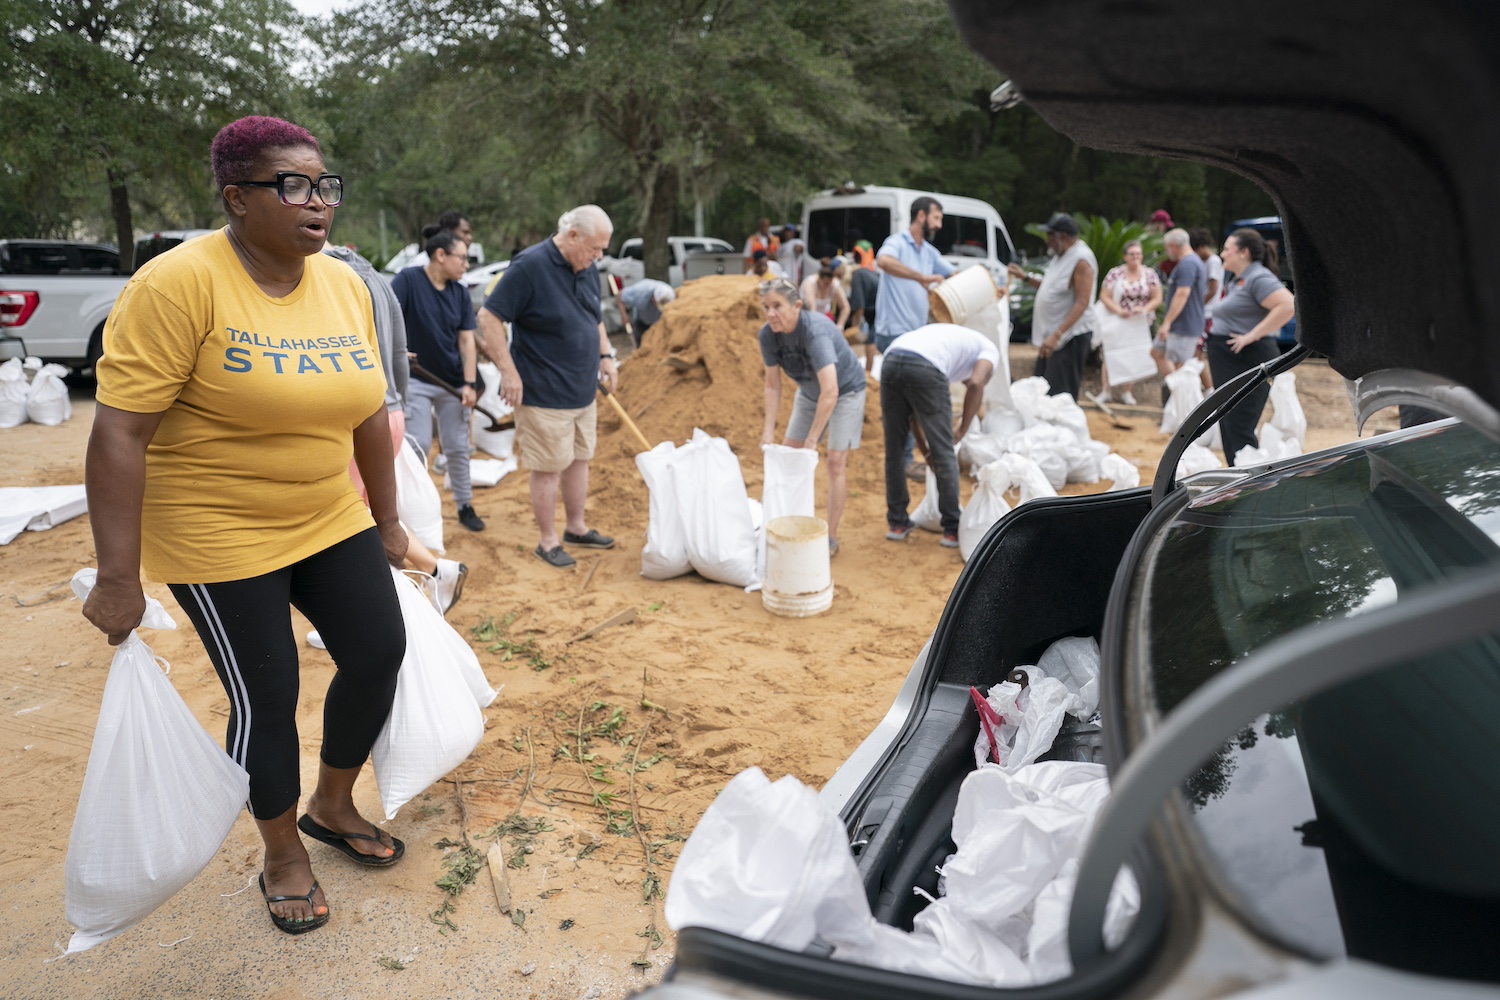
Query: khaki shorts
[[551, 440]]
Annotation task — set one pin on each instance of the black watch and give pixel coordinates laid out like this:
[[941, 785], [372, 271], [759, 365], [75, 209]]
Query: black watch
[[472, 385]]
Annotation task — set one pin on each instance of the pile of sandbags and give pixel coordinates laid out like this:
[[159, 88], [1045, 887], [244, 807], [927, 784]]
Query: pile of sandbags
[[700, 516], [43, 399], [1010, 471], [1051, 431]]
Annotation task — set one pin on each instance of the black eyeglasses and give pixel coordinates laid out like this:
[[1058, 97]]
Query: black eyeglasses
[[297, 189]]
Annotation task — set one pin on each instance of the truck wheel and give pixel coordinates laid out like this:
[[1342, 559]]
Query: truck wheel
[[85, 374]]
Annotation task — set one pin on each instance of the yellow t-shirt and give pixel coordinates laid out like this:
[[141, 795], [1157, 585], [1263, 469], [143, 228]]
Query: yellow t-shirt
[[248, 472]]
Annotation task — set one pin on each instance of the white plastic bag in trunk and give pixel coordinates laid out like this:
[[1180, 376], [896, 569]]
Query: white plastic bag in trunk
[[435, 722], [48, 403], [715, 511], [158, 798], [14, 392], [418, 502]]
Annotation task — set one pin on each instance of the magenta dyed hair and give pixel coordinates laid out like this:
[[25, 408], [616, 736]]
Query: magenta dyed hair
[[238, 145]]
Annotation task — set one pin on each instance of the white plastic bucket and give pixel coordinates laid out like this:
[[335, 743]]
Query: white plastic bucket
[[798, 582], [965, 294]]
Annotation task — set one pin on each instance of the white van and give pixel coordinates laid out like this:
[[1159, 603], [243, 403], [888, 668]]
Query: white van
[[972, 230]]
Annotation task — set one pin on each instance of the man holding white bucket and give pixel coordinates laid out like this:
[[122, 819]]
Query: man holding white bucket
[[909, 266], [914, 380], [830, 387]]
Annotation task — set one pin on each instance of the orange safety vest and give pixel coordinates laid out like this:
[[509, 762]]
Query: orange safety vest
[[757, 242], [865, 258]]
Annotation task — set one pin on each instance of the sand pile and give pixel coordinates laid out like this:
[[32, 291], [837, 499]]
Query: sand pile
[[700, 366]]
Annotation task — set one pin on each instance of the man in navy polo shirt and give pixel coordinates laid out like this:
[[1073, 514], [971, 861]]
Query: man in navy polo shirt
[[550, 370]]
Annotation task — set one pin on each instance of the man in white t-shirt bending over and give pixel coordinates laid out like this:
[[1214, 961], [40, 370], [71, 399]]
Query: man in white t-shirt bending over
[[914, 378]]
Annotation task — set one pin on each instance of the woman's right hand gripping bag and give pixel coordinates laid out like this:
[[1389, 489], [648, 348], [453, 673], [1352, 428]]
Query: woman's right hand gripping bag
[[158, 799], [435, 722]]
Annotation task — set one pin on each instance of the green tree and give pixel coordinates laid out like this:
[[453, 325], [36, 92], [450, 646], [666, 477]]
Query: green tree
[[113, 91], [671, 99]]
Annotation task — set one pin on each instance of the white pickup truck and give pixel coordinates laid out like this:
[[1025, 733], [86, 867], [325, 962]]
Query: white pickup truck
[[54, 297], [56, 294]]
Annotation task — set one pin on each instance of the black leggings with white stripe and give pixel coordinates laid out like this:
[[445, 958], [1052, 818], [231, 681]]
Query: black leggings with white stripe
[[346, 591]]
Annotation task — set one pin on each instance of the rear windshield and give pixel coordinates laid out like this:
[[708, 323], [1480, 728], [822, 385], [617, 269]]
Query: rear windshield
[[1364, 820], [52, 258], [833, 231]]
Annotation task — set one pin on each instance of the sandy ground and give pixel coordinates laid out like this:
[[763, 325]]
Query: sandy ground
[[627, 736]]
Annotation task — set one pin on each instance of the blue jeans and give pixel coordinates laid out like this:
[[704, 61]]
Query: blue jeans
[[911, 386]]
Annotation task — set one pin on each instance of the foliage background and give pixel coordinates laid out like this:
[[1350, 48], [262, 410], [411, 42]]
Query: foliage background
[[514, 112]]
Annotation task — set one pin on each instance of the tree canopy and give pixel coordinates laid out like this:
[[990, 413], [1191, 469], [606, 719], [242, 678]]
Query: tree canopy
[[515, 112]]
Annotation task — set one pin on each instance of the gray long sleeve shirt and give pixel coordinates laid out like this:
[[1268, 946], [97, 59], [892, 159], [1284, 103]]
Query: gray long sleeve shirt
[[390, 327]]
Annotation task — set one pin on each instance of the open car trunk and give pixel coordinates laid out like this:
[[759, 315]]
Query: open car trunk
[[1045, 572]]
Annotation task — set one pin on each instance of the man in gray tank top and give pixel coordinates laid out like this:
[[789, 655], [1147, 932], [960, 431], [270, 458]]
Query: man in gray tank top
[[1062, 321]]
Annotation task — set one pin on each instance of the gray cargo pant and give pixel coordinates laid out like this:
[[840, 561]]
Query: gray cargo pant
[[453, 432]]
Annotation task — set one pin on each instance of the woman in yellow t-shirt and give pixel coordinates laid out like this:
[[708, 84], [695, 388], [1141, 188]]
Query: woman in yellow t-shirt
[[240, 371]]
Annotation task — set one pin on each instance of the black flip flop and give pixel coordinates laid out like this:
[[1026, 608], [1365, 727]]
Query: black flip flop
[[287, 924], [340, 842]]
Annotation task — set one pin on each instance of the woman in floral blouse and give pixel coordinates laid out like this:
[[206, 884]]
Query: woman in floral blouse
[[1130, 289]]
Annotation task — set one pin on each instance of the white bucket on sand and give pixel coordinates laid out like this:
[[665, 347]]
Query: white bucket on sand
[[798, 581], [964, 294]]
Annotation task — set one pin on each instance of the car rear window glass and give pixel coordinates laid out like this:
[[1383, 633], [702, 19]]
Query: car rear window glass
[[1364, 820], [962, 236], [832, 231], [99, 259], [36, 258]]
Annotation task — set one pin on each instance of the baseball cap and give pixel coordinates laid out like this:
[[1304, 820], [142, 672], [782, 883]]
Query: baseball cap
[[758, 255], [1062, 222], [662, 294], [1163, 216]]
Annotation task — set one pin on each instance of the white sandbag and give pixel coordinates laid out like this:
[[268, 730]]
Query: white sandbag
[[1278, 443], [665, 552], [715, 513], [485, 471], [500, 444], [927, 516], [787, 486], [1250, 455], [1001, 423], [1027, 477], [435, 722], [1186, 389], [14, 391], [159, 795], [1062, 410], [1287, 416], [1119, 471], [1047, 445], [1026, 396], [48, 404], [418, 502], [38, 508], [986, 506], [1195, 459], [1083, 461], [979, 448]]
